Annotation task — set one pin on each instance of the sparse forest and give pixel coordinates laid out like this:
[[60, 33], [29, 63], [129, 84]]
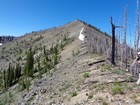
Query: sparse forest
[[53, 66], [38, 61], [117, 51]]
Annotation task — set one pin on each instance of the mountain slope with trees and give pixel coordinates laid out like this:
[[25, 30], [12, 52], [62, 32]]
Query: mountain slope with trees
[[54, 67]]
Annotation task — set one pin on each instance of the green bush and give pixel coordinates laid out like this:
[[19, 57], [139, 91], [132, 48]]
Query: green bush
[[116, 89], [129, 79], [104, 103], [85, 75], [74, 94], [90, 96], [21, 84]]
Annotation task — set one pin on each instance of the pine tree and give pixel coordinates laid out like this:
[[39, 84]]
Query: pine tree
[[27, 83], [46, 61], [8, 75], [55, 55], [1, 79], [51, 49], [55, 58], [55, 50], [4, 79], [21, 84], [61, 45], [11, 75], [29, 63], [1, 83], [44, 50], [39, 67], [17, 71]]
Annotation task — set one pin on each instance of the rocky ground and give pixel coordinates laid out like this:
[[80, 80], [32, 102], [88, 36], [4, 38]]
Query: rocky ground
[[80, 78]]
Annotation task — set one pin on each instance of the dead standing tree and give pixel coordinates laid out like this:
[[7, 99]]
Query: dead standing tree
[[124, 42], [113, 41], [133, 67], [137, 27]]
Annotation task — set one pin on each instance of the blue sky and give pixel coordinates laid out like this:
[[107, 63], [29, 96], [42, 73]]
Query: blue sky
[[18, 17]]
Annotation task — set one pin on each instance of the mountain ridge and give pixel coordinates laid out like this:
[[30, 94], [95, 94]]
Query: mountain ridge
[[42, 35], [77, 73]]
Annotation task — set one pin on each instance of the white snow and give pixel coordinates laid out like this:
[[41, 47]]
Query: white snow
[[81, 36], [0, 44]]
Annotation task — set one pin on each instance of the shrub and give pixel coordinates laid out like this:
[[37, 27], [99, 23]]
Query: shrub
[[11, 98], [74, 94], [21, 84], [129, 79], [116, 90], [85, 75], [67, 85], [90, 96], [104, 102], [27, 84], [75, 53]]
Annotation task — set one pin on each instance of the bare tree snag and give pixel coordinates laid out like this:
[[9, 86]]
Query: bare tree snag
[[133, 68], [113, 41], [137, 27], [124, 43]]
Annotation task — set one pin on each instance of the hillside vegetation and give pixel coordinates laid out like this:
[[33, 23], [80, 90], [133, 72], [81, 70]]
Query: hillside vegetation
[[53, 67]]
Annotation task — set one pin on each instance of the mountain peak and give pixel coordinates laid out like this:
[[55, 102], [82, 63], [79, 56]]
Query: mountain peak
[[60, 63]]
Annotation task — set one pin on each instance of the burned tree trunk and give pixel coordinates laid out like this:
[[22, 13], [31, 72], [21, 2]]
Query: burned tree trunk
[[113, 43]]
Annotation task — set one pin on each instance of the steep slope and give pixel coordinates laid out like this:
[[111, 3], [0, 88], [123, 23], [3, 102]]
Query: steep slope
[[74, 81], [11, 51], [16, 49], [79, 78]]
